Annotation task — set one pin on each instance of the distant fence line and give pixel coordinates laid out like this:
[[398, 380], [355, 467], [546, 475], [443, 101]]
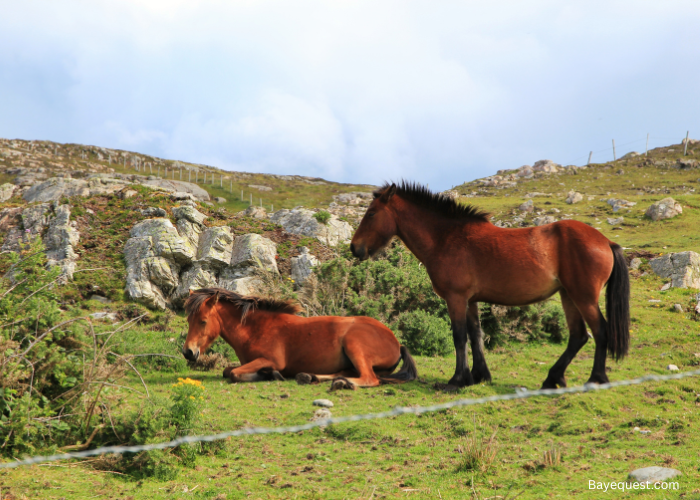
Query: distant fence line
[[415, 410]]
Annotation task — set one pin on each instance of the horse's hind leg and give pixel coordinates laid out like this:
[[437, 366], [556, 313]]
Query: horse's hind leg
[[258, 370], [577, 339], [480, 372]]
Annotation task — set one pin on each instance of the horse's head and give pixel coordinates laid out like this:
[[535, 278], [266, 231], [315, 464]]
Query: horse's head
[[205, 325], [377, 227]]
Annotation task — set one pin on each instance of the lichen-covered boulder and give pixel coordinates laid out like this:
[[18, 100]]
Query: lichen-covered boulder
[[573, 197], [255, 212], [6, 192], [254, 251], [303, 265], [664, 209], [60, 240], [174, 186], [137, 252], [190, 223], [167, 242], [36, 218], [541, 221], [246, 285], [198, 276], [215, 246], [302, 221], [56, 187], [683, 268], [163, 273]]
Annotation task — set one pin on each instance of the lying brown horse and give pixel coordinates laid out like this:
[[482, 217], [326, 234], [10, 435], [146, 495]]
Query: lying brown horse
[[469, 260], [272, 342]]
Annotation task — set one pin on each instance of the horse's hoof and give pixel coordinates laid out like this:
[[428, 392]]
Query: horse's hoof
[[278, 376], [342, 383], [306, 378], [227, 371], [483, 375], [461, 382]]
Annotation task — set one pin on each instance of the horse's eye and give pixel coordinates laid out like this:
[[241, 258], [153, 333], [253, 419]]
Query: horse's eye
[[371, 214], [203, 322]]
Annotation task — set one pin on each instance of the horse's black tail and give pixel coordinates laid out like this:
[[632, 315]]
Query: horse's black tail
[[617, 305], [407, 372]]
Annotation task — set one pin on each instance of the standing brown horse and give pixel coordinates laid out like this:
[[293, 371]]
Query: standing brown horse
[[272, 342], [469, 260]]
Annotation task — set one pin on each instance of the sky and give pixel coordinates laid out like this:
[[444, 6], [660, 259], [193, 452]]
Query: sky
[[353, 91]]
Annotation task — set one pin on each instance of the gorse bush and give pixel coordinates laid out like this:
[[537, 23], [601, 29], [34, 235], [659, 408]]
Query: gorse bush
[[322, 216], [537, 322], [424, 333]]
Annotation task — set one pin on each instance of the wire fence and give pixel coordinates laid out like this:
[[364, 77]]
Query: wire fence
[[595, 155], [399, 410]]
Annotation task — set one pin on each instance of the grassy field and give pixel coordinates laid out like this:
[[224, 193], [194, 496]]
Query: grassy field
[[491, 451]]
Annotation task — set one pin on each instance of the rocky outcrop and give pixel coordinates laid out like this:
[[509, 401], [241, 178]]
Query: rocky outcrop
[[302, 266], [541, 221], [165, 260], [50, 222], [683, 268], [357, 198], [255, 212], [546, 166], [619, 204], [302, 221], [664, 209], [173, 186]]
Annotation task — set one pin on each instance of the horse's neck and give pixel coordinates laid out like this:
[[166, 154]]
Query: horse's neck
[[234, 333], [420, 230]]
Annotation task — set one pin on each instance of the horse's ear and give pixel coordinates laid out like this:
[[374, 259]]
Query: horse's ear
[[216, 297], [191, 292], [391, 191]]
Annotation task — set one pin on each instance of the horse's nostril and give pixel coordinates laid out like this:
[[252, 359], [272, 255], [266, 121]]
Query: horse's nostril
[[190, 354], [352, 249]]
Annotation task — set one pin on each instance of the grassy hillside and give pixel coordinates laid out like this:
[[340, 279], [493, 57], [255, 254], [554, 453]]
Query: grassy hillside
[[499, 450]]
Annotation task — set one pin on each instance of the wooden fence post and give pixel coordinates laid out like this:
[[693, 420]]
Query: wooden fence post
[[614, 154]]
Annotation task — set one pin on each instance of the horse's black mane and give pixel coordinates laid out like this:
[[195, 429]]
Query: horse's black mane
[[247, 304], [437, 202]]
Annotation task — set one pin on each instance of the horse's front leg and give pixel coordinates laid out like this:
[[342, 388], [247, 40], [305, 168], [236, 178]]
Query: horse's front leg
[[257, 370], [480, 371], [457, 308]]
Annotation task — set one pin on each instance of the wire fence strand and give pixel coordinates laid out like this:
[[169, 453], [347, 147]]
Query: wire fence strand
[[399, 410]]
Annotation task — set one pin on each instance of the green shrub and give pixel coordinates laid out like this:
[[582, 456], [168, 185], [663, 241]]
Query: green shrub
[[542, 321], [322, 216], [425, 334]]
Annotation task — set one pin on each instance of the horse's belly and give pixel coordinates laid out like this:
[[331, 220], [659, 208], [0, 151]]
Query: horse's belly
[[519, 294]]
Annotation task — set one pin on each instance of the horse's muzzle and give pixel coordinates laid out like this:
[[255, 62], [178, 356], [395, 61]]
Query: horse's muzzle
[[359, 251], [189, 354]]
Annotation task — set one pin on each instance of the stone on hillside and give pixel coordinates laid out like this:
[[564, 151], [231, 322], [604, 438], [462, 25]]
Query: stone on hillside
[[683, 268], [167, 242], [163, 273], [260, 188], [302, 266], [525, 171], [323, 403], [254, 251], [541, 221], [189, 213], [174, 186], [255, 212], [635, 263], [219, 199], [182, 195], [321, 414], [6, 191], [678, 308], [246, 285], [357, 197], [55, 188], [546, 166], [36, 218], [653, 474], [573, 197], [125, 194], [198, 276], [215, 246], [615, 222], [60, 239], [450, 193], [138, 283], [629, 155], [302, 221], [619, 204], [153, 212], [528, 206], [190, 223], [687, 163], [664, 209]]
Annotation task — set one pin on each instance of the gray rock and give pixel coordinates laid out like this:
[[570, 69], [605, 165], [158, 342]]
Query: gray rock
[[125, 194], [219, 199], [100, 298], [255, 212], [57, 187], [541, 221], [672, 368], [190, 223], [683, 268], [525, 171], [138, 283], [243, 285], [196, 277], [635, 263], [60, 240], [260, 188], [302, 221], [302, 266], [189, 213], [6, 192], [36, 218], [546, 166], [174, 186], [107, 316], [181, 195], [323, 403], [664, 209], [321, 414], [573, 197], [528, 206], [153, 212], [619, 204], [678, 308], [215, 246], [615, 222], [163, 273], [254, 251]]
